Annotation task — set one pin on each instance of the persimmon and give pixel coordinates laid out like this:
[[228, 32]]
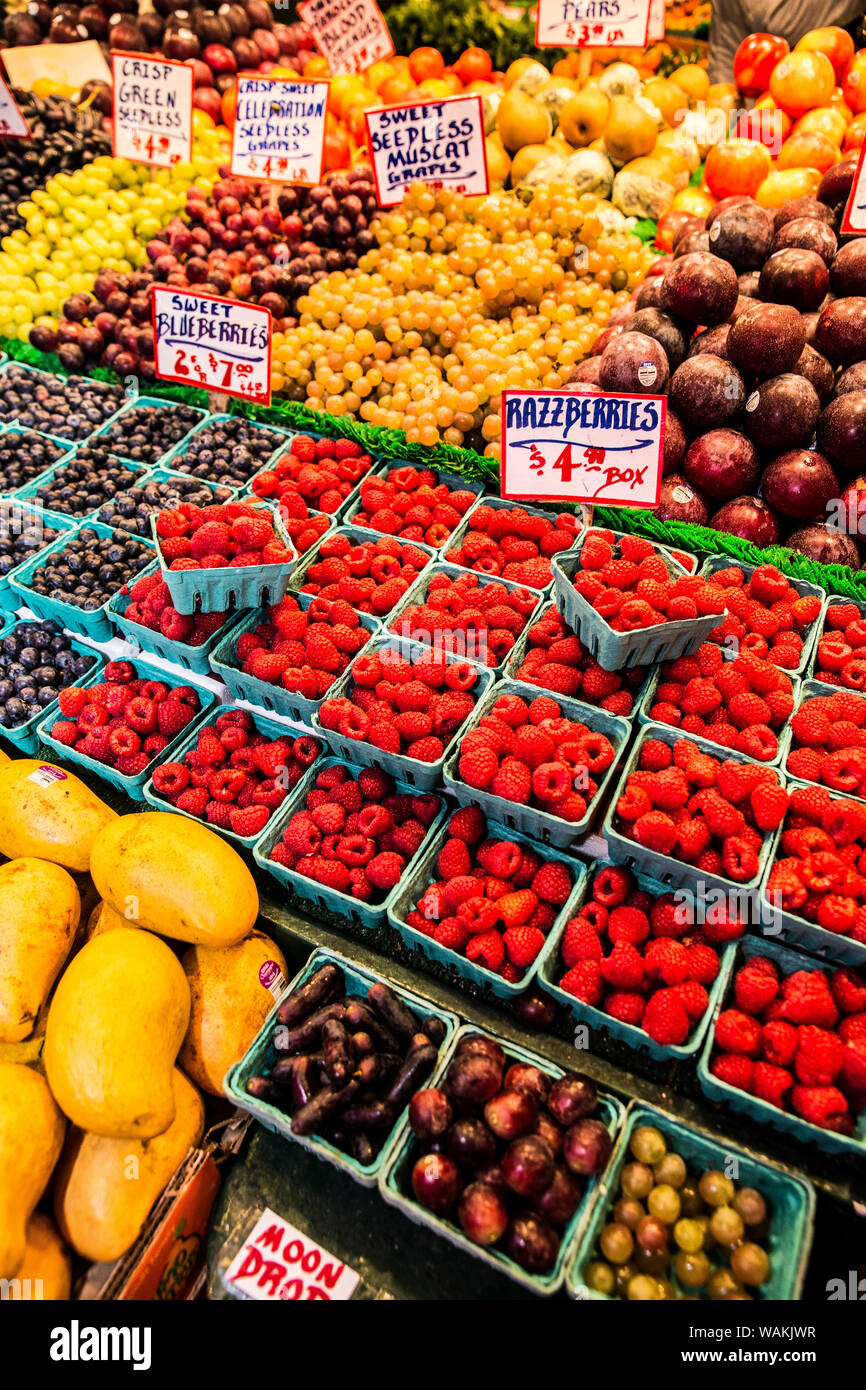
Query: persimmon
[[424, 63], [473, 65], [809, 149], [801, 81], [855, 135], [781, 185]]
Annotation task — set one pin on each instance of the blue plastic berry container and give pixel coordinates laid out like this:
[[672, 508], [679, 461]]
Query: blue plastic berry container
[[790, 1201], [761, 1111], [724, 562], [11, 596], [260, 1055], [783, 735], [245, 586], [501, 504], [395, 1177], [173, 458], [193, 661], [830, 600], [159, 403], [29, 493], [357, 535]]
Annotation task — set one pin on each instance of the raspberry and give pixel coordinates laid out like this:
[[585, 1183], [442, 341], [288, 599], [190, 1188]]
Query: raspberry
[[694, 997], [655, 756], [468, 824], [624, 967], [628, 924], [453, 860], [656, 831], [779, 1042], [819, 1105], [626, 1005], [807, 999], [516, 908], [583, 981], [665, 1018], [734, 1068], [737, 1032], [580, 942], [249, 821], [848, 990], [487, 948], [770, 1083], [384, 870], [553, 882], [523, 944], [754, 988], [819, 1056], [668, 960]]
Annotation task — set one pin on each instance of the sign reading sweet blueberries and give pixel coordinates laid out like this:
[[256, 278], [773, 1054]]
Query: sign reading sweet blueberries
[[579, 446], [152, 113], [213, 343], [279, 130], [440, 143], [593, 23]]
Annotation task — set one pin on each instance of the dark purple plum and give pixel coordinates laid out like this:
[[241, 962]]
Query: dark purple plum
[[534, 1008], [571, 1097], [748, 284], [586, 1147], [722, 463], [664, 329], [478, 1043], [429, 1113], [528, 1165], [696, 240], [852, 379], [766, 339], [841, 331], [803, 207], [470, 1143], [699, 287], [810, 323], [676, 443], [809, 234], [842, 432], [560, 1200], [815, 368], [712, 340], [750, 518], [722, 207], [799, 484], [632, 363], [532, 1243], [795, 277], [586, 372], [482, 1213], [549, 1130], [650, 293], [742, 235], [706, 391], [848, 270], [523, 1076], [782, 412], [510, 1114], [473, 1077], [836, 182], [679, 501], [828, 547], [436, 1183]]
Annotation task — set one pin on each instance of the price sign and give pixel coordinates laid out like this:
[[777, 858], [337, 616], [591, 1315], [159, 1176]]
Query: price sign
[[576, 446], [440, 143], [854, 217], [214, 343], [277, 1263], [12, 123], [351, 34], [592, 23], [279, 132], [656, 30], [152, 109]]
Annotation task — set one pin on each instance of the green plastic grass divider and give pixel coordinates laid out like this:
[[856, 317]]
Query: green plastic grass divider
[[292, 415]]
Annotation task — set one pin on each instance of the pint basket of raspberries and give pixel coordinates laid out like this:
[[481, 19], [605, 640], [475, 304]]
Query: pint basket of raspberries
[[787, 1046], [229, 555], [633, 605], [768, 614]]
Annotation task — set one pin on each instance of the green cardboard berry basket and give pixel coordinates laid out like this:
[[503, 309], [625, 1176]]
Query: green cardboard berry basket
[[467, 972], [357, 535], [274, 699], [29, 493], [790, 1198], [417, 595], [762, 1111], [666, 869], [542, 825], [272, 728], [26, 735], [724, 562], [132, 786], [783, 735], [830, 600], [600, 1022], [330, 903], [614, 650], [260, 1055], [395, 1177], [244, 586], [455, 481], [501, 504], [423, 776], [173, 458], [809, 690], [98, 387], [159, 403], [193, 661]]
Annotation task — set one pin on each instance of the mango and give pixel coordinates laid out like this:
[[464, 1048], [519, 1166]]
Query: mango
[[105, 1188], [176, 877], [114, 1028], [39, 908], [104, 918], [46, 1271], [229, 1002], [48, 813], [31, 1137]]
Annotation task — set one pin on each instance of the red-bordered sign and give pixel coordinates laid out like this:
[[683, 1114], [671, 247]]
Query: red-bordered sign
[[856, 203], [571, 24], [285, 147], [234, 355], [351, 34], [583, 446], [159, 87], [13, 124], [471, 177]]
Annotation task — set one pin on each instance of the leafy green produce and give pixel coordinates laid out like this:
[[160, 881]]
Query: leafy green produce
[[454, 25]]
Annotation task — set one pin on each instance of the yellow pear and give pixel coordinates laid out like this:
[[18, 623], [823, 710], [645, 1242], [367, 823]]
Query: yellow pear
[[521, 121], [525, 160], [668, 98], [498, 163], [583, 118], [104, 918], [31, 1137], [630, 131], [526, 74]]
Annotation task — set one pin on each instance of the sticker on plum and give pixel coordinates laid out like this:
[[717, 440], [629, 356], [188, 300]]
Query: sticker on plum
[[854, 216], [152, 110], [593, 23], [12, 122], [351, 34], [46, 776], [272, 978], [438, 143], [574, 446], [213, 343], [277, 1263], [279, 130]]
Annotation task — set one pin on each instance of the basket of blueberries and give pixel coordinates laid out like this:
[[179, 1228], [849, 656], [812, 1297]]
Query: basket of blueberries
[[37, 660], [67, 407], [24, 532], [225, 449], [77, 575]]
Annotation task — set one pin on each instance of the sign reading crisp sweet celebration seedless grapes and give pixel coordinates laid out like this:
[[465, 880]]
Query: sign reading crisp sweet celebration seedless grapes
[[440, 143], [152, 109], [351, 34], [593, 23], [213, 343], [279, 130], [12, 123], [576, 446]]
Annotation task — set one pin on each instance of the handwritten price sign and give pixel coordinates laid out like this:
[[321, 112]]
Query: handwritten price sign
[[217, 344], [152, 111], [854, 217], [278, 1263], [12, 123], [439, 143], [593, 23], [351, 34], [573, 446], [279, 131]]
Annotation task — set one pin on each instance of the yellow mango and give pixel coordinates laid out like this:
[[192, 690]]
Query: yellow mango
[[48, 813], [104, 918], [105, 1188], [114, 1028], [46, 1273], [229, 1002], [31, 1137], [176, 877], [39, 911]]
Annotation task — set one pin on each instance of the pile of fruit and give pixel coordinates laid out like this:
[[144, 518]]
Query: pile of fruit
[[631, 587], [62, 138], [841, 652], [314, 472], [413, 504], [828, 742], [512, 543], [816, 872], [303, 650], [372, 575], [150, 605], [556, 659], [479, 619], [220, 535], [37, 661]]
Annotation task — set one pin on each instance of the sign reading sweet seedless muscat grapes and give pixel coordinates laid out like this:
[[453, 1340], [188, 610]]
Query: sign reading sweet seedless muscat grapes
[[440, 143], [213, 343], [279, 130], [152, 109], [593, 23], [579, 446]]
